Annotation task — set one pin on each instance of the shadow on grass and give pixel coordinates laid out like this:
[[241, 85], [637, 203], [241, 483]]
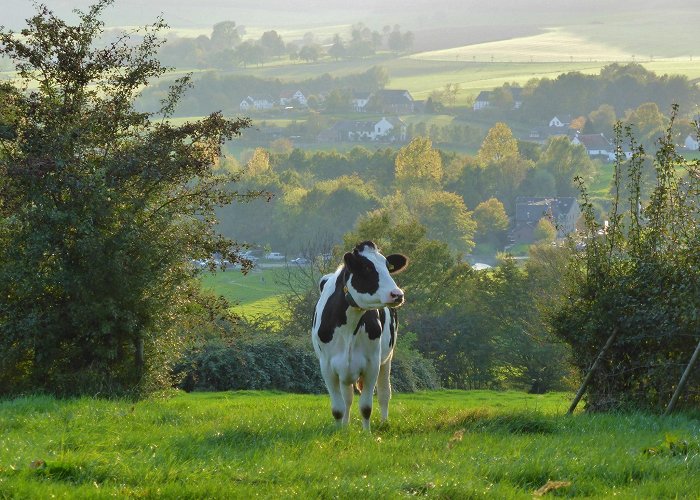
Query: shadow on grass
[[482, 420]]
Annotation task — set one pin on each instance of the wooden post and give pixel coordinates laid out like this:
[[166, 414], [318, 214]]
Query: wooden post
[[589, 375], [682, 382]]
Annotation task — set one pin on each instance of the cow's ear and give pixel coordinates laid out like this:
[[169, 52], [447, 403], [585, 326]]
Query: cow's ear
[[396, 262], [349, 260]]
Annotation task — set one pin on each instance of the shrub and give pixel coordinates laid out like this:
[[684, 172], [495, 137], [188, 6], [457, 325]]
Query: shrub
[[641, 277]]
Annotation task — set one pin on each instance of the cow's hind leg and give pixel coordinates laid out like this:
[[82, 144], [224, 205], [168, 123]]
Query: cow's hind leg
[[384, 389]]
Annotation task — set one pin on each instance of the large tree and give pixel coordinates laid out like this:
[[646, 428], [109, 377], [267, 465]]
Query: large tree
[[101, 210]]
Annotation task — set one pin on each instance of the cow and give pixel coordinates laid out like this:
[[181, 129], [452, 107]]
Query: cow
[[354, 330]]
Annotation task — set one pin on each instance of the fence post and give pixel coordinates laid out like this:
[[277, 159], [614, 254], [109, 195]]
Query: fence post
[[589, 375], [682, 382]]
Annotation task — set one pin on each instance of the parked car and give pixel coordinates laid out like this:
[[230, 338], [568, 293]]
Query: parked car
[[274, 256], [301, 261]]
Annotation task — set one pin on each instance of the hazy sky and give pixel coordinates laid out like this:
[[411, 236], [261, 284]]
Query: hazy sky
[[285, 13]]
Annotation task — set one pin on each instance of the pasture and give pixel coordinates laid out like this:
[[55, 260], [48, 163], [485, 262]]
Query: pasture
[[254, 294], [443, 444]]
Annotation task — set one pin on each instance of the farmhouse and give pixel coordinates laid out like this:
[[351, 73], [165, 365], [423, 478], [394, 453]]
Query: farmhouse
[[563, 212], [258, 103], [386, 129], [392, 101], [483, 100], [560, 121], [596, 145], [293, 98], [359, 101]]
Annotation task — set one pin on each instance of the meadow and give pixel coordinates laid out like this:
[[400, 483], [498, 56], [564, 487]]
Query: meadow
[[254, 294], [442, 444]]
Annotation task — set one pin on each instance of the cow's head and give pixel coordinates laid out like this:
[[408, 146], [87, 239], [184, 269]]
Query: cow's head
[[369, 284]]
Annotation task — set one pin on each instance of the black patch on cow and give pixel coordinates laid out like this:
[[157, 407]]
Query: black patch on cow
[[393, 324], [333, 314], [370, 321], [364, 278], [322, 283], [373, 326], [337, 414], [366, 412]]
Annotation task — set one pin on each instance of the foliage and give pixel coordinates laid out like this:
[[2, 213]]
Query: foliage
[[101, 210], [418, 163], [491, 221], [545, 231], [252, 362], [639, 276]]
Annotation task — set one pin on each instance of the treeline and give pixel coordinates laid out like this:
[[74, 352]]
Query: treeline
[[225, 92], [603, 98], [226, 48]]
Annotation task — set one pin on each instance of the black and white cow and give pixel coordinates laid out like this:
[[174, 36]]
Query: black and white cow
[[354, 329]]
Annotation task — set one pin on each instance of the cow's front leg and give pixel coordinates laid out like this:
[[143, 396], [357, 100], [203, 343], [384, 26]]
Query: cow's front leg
[[337, 403], [370, 381], [347, 392]]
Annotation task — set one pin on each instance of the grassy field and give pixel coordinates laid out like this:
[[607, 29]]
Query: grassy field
[[254, 294], [445, 444]]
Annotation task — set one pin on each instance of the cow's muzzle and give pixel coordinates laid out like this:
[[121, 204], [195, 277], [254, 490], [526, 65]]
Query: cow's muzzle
[[397, 298]]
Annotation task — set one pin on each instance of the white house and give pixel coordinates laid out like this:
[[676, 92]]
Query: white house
[[259, 103], [384, 127], [360, 100], [558, 122], [291, 98], [692, 143], [596, 145], [483, 100]]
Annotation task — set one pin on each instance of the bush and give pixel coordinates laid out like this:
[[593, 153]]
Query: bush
[[641, 277], [279, 362]]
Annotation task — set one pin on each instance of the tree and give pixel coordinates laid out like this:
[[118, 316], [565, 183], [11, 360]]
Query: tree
[[101, 210], [544, 232], [418, 162], [259, 163], [337, 50], [310, 53], [445, 216], [499, 144], [565, 161], [224, 36], [272, 43], [491, 221], [602, 120]]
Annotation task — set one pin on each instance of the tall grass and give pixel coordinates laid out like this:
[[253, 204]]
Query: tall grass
[[445, 444]]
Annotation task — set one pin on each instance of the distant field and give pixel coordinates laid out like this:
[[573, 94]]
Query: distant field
[[256, 293], [440, 444], [555, 45]]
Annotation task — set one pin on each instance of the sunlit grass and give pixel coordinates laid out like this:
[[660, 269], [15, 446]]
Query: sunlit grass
[[257, 293], [444, 444]]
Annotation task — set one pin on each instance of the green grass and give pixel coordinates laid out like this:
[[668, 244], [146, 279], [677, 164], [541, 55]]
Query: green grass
[[254, 294], [444, 444]]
